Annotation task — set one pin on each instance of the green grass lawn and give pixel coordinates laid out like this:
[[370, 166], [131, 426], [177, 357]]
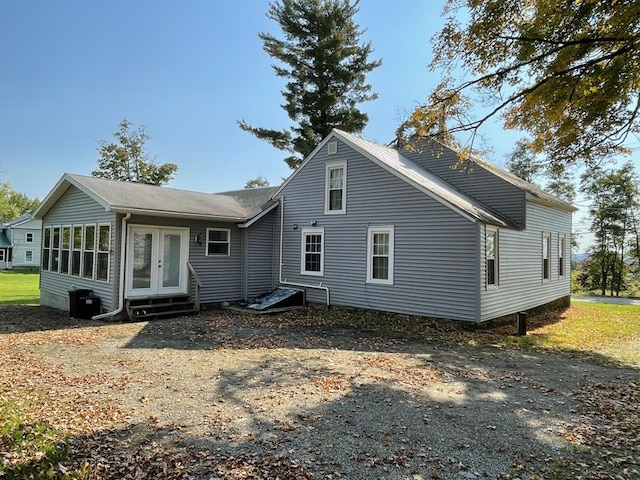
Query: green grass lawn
[[597, 332], [602, 332], [19, 288]]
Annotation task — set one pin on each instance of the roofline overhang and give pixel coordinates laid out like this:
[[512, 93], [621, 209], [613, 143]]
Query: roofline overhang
[[258, 216], [163, 213], [335, 133], [567, 207]]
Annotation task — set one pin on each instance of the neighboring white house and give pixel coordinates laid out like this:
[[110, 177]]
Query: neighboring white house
[[20, 243]]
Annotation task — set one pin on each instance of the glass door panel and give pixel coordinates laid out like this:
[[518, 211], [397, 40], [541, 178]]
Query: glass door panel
[[142, 259], [171, 264]]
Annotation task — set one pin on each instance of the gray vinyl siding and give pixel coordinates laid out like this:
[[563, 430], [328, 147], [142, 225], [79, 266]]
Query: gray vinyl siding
[[75, 208], [479, 183], [221, 275], [260, 256], [521, 284], [435, 258]]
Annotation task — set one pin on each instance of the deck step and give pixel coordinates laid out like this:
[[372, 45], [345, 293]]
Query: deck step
[[159, 307]]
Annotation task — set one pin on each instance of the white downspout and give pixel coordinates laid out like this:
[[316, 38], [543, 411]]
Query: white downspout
[[284, 281], [123, 258]]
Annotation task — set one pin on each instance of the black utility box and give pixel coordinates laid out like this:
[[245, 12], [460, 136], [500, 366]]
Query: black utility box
[[83, 304]]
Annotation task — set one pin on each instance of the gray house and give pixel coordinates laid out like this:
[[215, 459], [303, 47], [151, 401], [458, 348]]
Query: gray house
[[402, 230], [20, 243], [357, 224], [145, 250]]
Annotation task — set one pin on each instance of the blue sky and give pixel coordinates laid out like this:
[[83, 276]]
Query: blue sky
[[188, 70]]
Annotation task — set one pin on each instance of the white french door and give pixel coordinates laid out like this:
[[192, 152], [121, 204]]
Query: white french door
[[157, 261]]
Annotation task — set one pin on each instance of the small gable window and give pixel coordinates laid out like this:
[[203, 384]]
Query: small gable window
[[218, 242], [335, 188], [29, 237]]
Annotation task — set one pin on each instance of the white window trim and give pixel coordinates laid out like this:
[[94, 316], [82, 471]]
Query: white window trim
[[562, 250], [328, 168], [490, 230], [228, 242], [26, 254], [62, 249], [303, 250], [98, 252], [93, 250], [370, 232], [26, 237], [2, 255], [80, 250], [546, 240], [46, 250]]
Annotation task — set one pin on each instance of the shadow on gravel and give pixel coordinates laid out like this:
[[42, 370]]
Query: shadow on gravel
[[444, 410], [35, 318], [433, 423], [316, 422]]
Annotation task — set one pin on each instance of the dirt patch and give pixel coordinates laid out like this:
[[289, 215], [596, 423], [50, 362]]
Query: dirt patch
[[227, 395]]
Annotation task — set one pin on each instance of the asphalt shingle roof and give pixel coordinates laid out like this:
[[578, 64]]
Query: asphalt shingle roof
[[162, 201]]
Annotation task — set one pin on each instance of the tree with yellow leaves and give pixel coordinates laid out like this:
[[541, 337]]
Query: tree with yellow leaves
[[565, 71]]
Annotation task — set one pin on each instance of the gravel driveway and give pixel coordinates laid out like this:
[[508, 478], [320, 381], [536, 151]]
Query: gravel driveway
[[326, 401]]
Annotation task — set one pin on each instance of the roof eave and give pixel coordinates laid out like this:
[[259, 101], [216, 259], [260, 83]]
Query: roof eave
[[561, 205], [172, 214], [58, 190], [250, 221]]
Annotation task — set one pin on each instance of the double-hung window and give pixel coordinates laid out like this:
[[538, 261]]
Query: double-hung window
[[380, 249], [29, 237], [55, 250], [65, 252], [491, 249], [218, 242], [104, 251], [46, 248], [76, 250], [312, 251], [562, 246], [88, 254], [546, 257], [28, 256], [335, 200]]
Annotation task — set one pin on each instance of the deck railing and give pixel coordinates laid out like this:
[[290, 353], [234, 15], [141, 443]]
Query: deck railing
[[194, 278]]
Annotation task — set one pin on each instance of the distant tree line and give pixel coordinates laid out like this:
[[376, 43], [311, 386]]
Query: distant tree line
[[15, 204]]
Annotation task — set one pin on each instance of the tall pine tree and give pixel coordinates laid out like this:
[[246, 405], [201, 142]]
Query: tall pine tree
[[326, 68]]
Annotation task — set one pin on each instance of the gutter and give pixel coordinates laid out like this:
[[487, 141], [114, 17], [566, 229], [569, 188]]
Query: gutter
[[123, 249], [285, 281]]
